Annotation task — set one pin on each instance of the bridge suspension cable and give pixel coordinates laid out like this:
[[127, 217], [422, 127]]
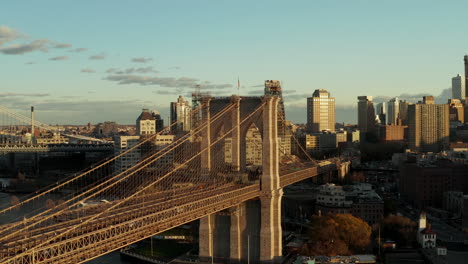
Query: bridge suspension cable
[[91, 176], [99, 188], [141, 186]]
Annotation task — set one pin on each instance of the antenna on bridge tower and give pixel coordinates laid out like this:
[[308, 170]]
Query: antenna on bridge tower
[[32, 125]]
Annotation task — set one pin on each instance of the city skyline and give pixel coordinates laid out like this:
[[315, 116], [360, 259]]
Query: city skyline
[[69, 64]]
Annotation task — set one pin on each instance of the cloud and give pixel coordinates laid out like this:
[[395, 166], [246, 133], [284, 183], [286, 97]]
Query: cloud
[[40, 44], [7, 34], [442, 98], [88, 70], [82, 111], [256, 92], [23, 94], [69, 96], [62, 45], [132, 70], [289, 91], [174, 68], [98, 57], [30, 62], [142, 60], [182, 82], [211, 86], [59, 58], [78, 50], [168, 92], [295, 97], [258, 86]]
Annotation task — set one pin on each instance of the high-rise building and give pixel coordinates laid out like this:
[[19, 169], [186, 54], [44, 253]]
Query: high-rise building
[[456, 111], [458, 87], [159, 142], [403, 111], [366, 116], [381, 111], [181, 114], [393, 111], [146, 123], [124, 143], [392, 133], [466, 75], [428, 126], [320, 111], [159, 120], [429, 99]]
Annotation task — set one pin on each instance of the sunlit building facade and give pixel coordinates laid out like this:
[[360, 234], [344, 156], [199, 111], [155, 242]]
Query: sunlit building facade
[[320, 112]]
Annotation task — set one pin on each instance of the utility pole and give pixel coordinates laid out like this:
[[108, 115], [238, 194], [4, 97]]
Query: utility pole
[[248, 249], [32, 125]]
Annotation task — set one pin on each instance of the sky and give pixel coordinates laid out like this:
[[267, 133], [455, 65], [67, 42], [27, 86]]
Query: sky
[[94, 61]]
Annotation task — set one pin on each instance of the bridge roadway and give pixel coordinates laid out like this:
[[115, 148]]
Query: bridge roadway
[[135, 220], [25, 148]]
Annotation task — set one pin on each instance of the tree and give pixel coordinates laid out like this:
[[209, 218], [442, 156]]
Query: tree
[[337, 234]]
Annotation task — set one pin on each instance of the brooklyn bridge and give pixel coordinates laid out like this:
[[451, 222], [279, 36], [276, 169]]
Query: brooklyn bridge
[[104, 208]]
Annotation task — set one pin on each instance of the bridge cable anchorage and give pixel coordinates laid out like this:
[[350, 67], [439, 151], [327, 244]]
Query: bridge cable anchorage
[[135, 194], [83, 177], [74, 179]]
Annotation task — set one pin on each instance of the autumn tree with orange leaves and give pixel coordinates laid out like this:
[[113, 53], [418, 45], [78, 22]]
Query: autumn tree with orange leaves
[[337, 234]]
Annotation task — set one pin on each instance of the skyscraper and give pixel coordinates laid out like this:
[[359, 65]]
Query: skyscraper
[[403, 112], [381, 111], [181, 113], [466, 75], [428, 126], [458, 87], [320, 111], [456, 111], [159, 120], [366, 115], [393, 111]]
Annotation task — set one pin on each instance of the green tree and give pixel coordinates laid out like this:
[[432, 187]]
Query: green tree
[[340, 234]]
